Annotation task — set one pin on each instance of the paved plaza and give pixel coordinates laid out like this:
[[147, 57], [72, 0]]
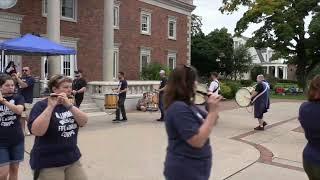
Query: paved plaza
[[135, 150]]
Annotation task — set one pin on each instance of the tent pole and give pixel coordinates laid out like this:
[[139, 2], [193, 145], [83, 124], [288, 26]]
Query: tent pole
[[2, 60]]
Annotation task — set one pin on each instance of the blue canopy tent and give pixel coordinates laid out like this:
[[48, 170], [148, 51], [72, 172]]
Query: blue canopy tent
[[34, 45]]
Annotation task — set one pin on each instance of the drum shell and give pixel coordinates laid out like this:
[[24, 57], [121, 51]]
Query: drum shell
[[152, 101], [110, 101]]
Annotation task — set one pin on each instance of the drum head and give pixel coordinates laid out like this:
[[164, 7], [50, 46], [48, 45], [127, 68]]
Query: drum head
[[199, 99], [243, 97], [202, 88]]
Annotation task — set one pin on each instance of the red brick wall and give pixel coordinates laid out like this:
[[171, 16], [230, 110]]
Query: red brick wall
[[131, 39], [88, 29]]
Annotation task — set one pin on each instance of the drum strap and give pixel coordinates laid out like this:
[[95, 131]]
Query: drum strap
[[216, 87], [257, 96]]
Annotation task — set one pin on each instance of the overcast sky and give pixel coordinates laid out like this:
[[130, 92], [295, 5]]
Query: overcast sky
[[212, 18]]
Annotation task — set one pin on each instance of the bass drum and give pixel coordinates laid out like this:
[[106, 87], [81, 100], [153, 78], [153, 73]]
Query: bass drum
[[243, 96], [199, 98]]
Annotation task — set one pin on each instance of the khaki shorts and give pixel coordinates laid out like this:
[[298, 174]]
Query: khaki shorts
[[26, 112], [70, 172]]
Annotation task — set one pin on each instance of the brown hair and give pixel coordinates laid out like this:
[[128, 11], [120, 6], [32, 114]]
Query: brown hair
[[56, 80], [314, 89], [181, 85], [215, 74], [4, 78]]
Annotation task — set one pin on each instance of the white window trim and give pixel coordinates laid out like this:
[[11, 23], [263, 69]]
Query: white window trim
[[174, 20], [115, 74], [68, 42], [174, 56], [116, 24], [148, 32], [75, 12], [145, 52]]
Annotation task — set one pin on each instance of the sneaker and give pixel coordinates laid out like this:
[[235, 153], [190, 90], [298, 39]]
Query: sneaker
[[116, 120], [123, 120], [264, 123], [160, 120], [259, 128]]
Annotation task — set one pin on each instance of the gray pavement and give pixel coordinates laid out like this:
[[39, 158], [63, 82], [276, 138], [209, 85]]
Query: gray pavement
[[135, 150]]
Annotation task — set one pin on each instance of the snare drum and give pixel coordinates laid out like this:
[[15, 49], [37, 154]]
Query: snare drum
[[111, 101], [152, 101]]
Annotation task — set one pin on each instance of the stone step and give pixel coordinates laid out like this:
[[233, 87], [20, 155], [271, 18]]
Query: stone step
[[88, 105], [90, 109]]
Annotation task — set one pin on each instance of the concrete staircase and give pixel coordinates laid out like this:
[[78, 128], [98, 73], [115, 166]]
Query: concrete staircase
[[89, 106]]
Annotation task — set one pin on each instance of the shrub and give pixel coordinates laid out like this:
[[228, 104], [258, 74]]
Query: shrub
[[246, 83], [287, 81], [151, 72], [226, 91], [234, 85]]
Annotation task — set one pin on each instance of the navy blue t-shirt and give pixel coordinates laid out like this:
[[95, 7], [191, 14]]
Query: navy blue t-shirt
[[10, 126], [309, 118], [58, 146], [123, 85], [27, 92], [182, 123], [163, 83]]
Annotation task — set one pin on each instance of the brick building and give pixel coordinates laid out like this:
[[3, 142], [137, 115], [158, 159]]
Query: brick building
[[143, 31]]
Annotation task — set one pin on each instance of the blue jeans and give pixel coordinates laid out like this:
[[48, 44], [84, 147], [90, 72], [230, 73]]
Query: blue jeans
[[11, 154]]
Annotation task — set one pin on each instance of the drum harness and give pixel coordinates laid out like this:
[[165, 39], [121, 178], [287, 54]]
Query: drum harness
[[250, 107]]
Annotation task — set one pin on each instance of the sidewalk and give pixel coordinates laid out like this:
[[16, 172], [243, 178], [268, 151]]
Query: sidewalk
[[135, 150]]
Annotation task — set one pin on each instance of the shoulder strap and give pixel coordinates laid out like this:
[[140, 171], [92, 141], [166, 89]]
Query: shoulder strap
[[216, 87], [260, 94]]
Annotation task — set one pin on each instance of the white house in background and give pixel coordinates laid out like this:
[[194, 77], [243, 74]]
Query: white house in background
[[262, 57]]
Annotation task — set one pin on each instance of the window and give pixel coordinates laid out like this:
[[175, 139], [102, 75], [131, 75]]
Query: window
[[146, 23], [116, 9], [172, 28], [172, 60], [68, 9], [115, 63], [66, 65], [145, 56]]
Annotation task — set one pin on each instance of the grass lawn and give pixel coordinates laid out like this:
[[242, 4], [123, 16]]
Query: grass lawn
[[294, 97]]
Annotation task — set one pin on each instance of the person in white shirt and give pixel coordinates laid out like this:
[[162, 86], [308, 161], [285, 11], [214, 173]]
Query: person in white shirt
[[214, 87]]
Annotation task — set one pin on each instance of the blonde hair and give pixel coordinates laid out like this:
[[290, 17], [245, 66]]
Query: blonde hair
[[56, 80]]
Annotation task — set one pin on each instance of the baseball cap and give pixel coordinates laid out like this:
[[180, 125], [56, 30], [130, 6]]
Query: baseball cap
[[162, 71]]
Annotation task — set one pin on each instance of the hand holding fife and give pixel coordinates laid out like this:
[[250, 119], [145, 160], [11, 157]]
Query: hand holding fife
[[53, 100], [213, 103]]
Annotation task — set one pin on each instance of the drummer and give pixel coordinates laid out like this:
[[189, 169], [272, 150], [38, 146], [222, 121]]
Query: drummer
[[122, 93], [261, 101], [214, 87], [161, 91]]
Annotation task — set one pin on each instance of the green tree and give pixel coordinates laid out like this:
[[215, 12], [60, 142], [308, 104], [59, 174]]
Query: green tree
[[283, 29], [151, 72], [206, 50], [241, 62], [196, 25]]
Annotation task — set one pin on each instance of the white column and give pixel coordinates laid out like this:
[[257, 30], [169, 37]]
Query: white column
[[286, 72], [108, 44], [53, 31], [268, 70], [276, 71], [283, 72]]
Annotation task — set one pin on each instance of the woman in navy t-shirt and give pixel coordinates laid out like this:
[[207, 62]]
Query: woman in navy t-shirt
[[11, 136], [55, 123], [309, 118], [189, 154]]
